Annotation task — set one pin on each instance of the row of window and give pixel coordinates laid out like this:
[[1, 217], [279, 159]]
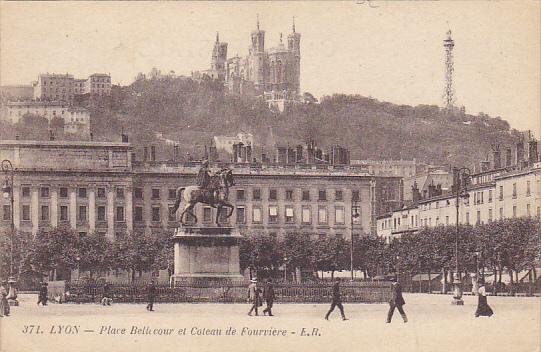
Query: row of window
[[63, 213], [44, 192], [428, 221], [82, 192], [395, 222], [289, 195]]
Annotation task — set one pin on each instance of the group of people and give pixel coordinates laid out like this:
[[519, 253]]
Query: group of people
[[256, 296]]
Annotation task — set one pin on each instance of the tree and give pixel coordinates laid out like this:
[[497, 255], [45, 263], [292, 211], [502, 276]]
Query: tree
[[261, 253], [53, 250], [94, 257], [331, 254], [298, 250]]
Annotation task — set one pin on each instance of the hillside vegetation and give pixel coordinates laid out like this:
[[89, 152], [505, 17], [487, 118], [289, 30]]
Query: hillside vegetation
[[190, 113]]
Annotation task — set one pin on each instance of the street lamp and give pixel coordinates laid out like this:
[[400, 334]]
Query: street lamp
[[354, 215], [397, 268], [7, 192], [476, 287], [461, 179], [285, 269]]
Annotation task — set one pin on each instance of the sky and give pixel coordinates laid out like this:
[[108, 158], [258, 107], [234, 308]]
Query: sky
[[389, 50]]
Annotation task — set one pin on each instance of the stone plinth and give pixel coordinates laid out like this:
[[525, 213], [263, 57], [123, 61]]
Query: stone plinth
[[206, 252]]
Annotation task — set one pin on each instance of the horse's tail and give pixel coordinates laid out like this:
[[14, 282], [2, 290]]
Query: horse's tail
[[178, 194]]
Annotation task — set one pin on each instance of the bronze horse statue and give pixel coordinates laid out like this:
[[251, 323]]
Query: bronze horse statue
[[216, 196]]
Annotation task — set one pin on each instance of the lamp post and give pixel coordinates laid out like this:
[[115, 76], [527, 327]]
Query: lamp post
[[354, 215], [461, 177], [476, 287], [397, 268], [7, 192], [285, 269]]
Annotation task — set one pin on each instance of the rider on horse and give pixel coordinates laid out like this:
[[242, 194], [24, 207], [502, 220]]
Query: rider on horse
[[204, 181]]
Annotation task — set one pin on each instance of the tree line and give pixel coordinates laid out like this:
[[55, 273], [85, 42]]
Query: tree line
[[510, 245]]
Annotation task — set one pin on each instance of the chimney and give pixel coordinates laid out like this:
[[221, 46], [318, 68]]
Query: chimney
[[248, 153], [298, 153], [152, 153], [145, 154], [175, 152], [520, 152], [497, 159], [508, 157], [532, 152], [235, 152]]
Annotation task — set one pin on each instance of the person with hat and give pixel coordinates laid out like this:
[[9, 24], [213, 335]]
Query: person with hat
[[483, 309], [254, 296], [204, 181], [396, 301], [336, 300], [151, 290], [4, 304], [42, 296], [268, 295]]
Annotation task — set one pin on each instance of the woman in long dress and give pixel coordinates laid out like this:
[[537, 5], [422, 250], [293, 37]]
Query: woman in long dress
[[483, 309]]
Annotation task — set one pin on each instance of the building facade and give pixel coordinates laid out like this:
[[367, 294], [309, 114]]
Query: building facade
[[54, 87], [98, 84], [49, 109], [97, 186], [63, 87], [100, 187], [493, 195]]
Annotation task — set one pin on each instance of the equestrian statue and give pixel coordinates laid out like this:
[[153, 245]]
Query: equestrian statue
[[212, 190]]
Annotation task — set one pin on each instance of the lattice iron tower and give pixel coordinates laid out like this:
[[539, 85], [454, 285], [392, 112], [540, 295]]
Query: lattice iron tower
[[449, 93]]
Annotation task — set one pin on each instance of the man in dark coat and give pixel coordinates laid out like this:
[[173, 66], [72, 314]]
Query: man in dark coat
[[42, 297], [268, 295], [336, 300], [396, 301], [151, 290], [254, 296]]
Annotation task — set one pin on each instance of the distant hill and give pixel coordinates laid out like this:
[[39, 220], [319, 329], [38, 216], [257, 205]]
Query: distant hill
[[191, 112]]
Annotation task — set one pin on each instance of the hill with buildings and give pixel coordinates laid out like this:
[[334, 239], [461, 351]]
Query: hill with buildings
[[165, 110]]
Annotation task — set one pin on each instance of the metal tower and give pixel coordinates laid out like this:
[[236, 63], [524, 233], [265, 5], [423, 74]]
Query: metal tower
[[449, 93]]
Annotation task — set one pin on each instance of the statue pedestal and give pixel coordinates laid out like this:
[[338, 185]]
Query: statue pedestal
[[206, 253]]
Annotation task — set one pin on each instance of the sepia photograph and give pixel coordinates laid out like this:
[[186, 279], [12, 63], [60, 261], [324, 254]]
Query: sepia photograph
[[257, 176]]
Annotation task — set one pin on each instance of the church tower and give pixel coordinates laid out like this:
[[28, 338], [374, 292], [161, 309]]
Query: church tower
[[294, 46], [219, 57], [257, 60]]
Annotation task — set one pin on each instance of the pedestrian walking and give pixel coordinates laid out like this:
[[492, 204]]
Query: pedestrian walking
[[151, 290], [483, 309], [42, 296], [106, 297], [4, 304], [268, 295], [396, 301], [254, 293], [336, 300]]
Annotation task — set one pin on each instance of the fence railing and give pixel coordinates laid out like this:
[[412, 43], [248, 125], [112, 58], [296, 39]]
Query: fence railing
[[205, 291]]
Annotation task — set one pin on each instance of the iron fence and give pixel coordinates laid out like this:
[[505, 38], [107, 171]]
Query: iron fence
[[227, 291]]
